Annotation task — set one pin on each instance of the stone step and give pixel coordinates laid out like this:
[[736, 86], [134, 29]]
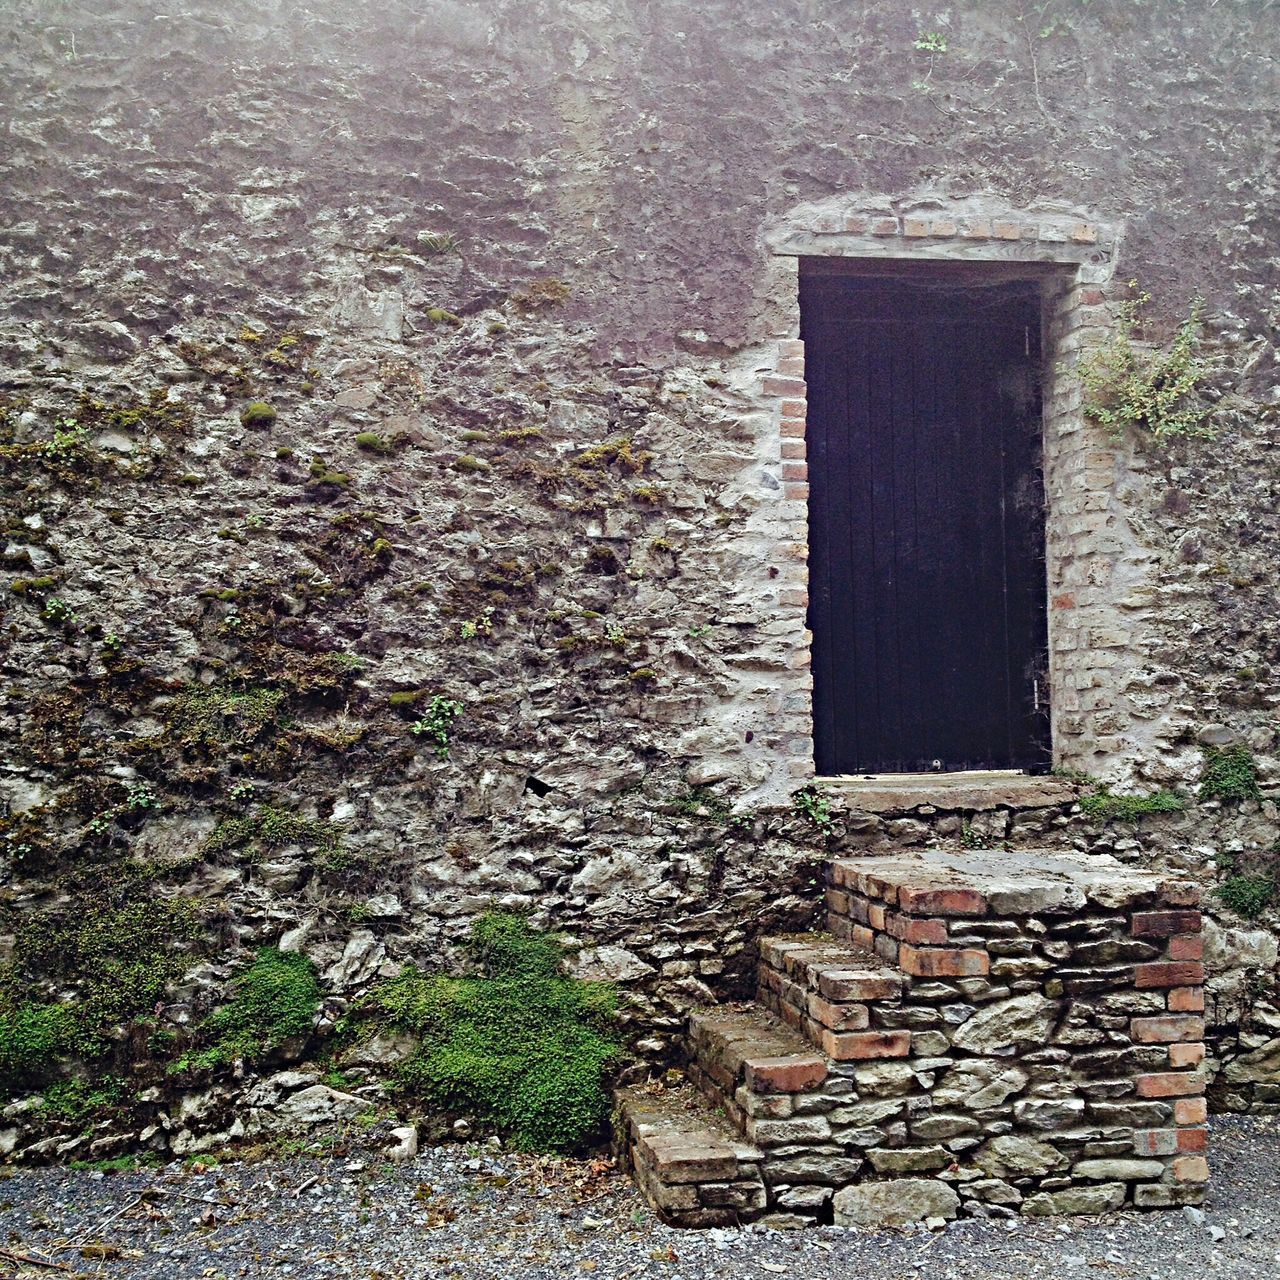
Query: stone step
[[743, 1046], [688, 1163], [825, 988]]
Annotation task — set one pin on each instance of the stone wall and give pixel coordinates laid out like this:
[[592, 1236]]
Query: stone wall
[[502, 273]]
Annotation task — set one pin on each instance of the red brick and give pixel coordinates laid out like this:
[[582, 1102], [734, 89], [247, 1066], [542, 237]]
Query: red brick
[[795, 450], [788, 347], [791, 367], [795, 470], [940, 962], [784, 1075], [838, 901], [855, 224], [1163, 1030], [1191, 1169], [941, 227], [792, 428], [794, 408], [1165, 924], [848, 984], [915, 227], [1161, 973], [1193, 1139], [884, 227], [1006, 230], [1188, 946], [1092, 297], [774, 386], [1084, 233], [876, 915], [1169, 1084], [942, 902], [857, 1046], [1190, 1111], [979, 229], [1187, 999], [861, 936], [797, 493], [932, 933], [1186, 1055], [839, 1017], [1065, 601]]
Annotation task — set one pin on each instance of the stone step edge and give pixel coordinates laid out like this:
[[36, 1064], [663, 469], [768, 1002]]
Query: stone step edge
[[687, 1163], [831, 968], [746, 1045]]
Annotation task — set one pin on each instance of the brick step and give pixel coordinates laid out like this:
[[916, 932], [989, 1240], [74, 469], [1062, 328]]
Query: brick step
[[688, 1163], [825, 988]]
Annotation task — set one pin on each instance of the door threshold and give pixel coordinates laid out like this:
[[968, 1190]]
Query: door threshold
[[968, 790]]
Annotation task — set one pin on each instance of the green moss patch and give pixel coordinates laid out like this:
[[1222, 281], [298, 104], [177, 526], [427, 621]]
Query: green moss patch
[[257, 413], [274, 1000], [517, 1044], [1105, 807]]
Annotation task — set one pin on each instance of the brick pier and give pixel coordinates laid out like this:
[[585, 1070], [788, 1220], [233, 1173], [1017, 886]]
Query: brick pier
[[978, 1032]]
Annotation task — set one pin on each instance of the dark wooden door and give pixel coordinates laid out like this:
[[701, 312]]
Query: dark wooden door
[[926, 525]]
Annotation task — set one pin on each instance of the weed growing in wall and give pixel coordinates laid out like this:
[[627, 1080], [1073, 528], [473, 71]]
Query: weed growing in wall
[[1130, 385], [436, 723], [1230, 774], [1247, 895], [812, 804], [518, 1045]]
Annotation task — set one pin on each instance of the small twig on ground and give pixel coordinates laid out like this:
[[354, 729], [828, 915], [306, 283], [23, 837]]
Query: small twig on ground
[[92, 1232], [30, 1260]]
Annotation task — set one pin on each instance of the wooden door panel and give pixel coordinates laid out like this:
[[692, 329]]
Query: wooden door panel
[[926, 525]]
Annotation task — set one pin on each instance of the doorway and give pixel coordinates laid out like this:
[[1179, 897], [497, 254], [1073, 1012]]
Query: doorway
[[926, 516]]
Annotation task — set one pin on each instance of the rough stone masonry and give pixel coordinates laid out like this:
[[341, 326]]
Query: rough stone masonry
[[350, 361]]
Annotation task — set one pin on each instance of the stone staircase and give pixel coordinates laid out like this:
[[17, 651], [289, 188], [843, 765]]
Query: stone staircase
[[980, 1032]]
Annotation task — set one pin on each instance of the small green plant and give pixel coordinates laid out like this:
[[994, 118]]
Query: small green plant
[[1102, 806], [141, 798], [1230, 775], [242, 793], [1247, 895], [372, 442], [436, 723], [481, 626], [518, 1044], [58, 611], [436, 243], [969, 838], [275, 1000], [257, 414], [811, 803], [1149, 390], [931, 42]]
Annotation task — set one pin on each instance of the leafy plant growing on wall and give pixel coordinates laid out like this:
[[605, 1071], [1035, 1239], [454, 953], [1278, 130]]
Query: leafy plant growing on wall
[[518, 1045], [1130, 384], [1230, 774]]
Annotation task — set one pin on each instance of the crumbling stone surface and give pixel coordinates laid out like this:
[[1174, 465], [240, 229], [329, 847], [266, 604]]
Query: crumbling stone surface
[[500, 275]]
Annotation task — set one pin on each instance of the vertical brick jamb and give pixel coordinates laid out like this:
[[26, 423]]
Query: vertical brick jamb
[[784, 386], [1174, 1044]]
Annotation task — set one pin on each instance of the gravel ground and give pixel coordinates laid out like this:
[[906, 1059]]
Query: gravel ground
[[479, 1212]]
